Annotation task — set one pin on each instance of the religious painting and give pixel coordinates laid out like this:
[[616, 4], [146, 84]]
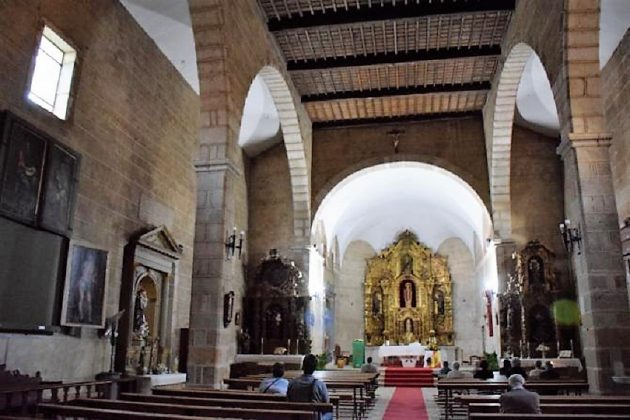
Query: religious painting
[[56, 213], [535, 271], [23, 153], [84, 291]]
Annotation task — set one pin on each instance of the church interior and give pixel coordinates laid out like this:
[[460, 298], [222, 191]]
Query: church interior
[[191, 186]]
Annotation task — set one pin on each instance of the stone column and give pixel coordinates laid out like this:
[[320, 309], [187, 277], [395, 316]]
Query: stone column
[[601, 286]]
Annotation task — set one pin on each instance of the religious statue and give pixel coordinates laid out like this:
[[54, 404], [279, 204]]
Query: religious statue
[[535, 271], [439, 303], [409, 336], [376, 303], [408, 295], [140, 324]]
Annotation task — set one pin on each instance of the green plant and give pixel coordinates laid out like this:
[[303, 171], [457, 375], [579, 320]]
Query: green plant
[[493, 360], [322, 359]]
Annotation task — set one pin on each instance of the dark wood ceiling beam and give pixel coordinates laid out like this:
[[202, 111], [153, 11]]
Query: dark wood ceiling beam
[[399, 119], [388, 11], [393, 58], [407, 90]]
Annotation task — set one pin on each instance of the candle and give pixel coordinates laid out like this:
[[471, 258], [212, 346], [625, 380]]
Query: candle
[[288, 346], [558, 347], [529, 350], [262, 345], [520, 348], [572, 354]]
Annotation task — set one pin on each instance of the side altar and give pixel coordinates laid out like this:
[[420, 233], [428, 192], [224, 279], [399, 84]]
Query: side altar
[[408, 296]]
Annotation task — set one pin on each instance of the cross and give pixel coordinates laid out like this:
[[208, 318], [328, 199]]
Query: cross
[[395, 135]]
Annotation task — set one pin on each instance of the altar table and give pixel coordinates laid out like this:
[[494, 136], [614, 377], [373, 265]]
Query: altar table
[[557, 363], [413, 349]]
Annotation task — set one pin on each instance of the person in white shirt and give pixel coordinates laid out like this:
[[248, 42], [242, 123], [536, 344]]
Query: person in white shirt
[[276, 384], [535, 373], [455, 373]]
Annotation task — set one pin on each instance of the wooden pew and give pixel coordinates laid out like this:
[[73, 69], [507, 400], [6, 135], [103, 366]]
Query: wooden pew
[[552, 399], [63, 411], [614, 409], [498, 386], [209, 393], [196, 410], [495, 416], [240, 403]]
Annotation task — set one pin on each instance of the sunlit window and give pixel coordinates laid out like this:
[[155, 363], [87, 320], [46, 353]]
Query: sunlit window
[[52, 76]]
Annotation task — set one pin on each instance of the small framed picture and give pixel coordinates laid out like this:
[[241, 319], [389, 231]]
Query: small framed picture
[[85, 286], [59, 186], [23, 154]]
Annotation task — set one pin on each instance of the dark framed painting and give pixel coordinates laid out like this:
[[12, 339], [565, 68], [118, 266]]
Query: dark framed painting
[[59, 189], [85, 286], [23, 155]]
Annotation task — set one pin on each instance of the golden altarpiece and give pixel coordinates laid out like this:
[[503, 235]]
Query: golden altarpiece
[[408, 295]]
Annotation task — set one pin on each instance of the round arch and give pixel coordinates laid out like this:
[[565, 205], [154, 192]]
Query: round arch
[[434, 192], [295, 146], [477, 184]]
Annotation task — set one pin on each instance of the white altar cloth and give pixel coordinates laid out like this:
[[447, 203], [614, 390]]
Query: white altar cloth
[[413, 349], [557, 363]]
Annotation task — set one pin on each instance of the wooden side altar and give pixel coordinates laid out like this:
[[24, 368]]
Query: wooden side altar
[[408, 296]]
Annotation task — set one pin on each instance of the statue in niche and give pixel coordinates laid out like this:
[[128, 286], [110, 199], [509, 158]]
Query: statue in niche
[[409, 336], [140, 324], [540, 325], [408, 294], [407, 264], [274, 321], [439, 303], [535, 271], [376, 303]]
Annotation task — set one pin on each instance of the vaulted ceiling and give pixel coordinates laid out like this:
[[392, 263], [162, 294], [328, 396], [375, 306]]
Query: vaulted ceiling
[[357, 61]]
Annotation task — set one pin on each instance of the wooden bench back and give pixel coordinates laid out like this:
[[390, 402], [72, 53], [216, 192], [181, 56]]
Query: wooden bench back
[[497, 416], [559, 408]]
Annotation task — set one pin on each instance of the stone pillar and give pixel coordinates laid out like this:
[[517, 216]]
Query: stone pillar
[[601, 286]]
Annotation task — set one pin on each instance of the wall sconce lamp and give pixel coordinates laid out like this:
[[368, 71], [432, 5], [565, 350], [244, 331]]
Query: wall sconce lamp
[[231, 246], [571, 235]]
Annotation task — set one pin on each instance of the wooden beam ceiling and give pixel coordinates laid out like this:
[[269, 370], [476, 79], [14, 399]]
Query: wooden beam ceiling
[[392, 58], [354, 12], [398, 119]]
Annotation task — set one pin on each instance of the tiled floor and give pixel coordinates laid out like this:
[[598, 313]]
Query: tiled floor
[[384, 394]]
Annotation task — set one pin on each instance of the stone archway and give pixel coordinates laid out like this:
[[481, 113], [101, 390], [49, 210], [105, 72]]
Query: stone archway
[[499, 138], [296, 153]]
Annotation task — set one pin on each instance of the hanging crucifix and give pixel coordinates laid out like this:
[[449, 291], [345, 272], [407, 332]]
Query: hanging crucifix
[[395, 135]]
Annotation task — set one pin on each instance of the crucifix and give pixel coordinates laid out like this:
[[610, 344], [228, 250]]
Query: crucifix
[[395, 135]]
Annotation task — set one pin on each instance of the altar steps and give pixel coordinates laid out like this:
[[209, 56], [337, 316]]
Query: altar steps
[[408, 377]]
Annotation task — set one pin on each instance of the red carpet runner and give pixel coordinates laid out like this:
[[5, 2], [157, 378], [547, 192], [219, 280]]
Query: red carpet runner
[[406, 404], [411, 377]]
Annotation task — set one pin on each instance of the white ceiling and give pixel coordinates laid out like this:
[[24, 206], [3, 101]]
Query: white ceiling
[[614, 21], [167, 22], [260, 123], [376, 203]]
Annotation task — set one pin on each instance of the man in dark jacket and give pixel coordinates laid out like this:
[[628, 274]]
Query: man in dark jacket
[[518, 399]]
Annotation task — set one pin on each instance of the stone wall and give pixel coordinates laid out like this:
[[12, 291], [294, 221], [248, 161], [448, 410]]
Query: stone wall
[[467, 298], [349, 303], [453, 144], [134, 121], [616, 93]]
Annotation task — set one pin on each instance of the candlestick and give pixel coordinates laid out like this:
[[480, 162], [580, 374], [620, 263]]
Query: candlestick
[[288, 346], [520, 348], [262, 345], [529, 350], [297, 346], [558, 347], [572, 353]]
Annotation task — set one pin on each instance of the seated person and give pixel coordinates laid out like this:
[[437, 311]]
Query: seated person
[[537, 370], [276, 384], [428, 362], [307, 388], [518, 399], [505, 370], [369, 367], [455, 373], [550, 372], [483, 372], [445, 369], [517, 369]]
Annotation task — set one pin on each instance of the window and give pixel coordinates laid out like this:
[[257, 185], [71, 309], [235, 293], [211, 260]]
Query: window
[[52, 76]]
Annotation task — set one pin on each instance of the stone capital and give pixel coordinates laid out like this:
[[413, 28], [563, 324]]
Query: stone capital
[[218, 165], [575, 140]]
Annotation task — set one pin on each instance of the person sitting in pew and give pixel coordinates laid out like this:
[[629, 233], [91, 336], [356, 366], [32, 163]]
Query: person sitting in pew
[[445, 369], [276, 384], [483, 372], [369, 367], [518, 399], [517, 369], [307, 388], [455, 373], [550, 372], [507, 367], [537, 370]]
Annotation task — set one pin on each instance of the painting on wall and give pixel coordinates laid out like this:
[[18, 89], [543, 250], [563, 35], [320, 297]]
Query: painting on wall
[[85, 286], [23, 153], [61, 172]]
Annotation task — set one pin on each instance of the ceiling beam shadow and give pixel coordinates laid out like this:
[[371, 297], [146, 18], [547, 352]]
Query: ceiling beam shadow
[[393, 58], [386, 11], [398, 119], [392, 91]]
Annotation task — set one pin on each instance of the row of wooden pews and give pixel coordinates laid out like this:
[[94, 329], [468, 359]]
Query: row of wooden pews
[[452, 407], [353, 392]]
